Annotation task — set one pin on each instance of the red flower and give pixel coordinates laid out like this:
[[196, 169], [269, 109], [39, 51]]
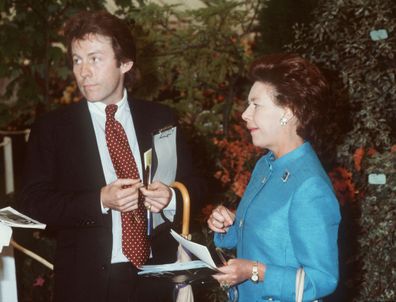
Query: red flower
[[371, 151], [39, 281], [343, 185]]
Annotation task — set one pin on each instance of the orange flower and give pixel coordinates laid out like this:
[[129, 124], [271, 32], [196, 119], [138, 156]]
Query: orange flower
[[241, 182], [393, 149], [357, 158], [343, 185]]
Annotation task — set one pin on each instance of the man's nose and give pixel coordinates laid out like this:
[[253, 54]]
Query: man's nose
[[85, 70]]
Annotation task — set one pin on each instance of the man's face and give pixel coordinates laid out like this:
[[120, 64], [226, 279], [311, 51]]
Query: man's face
[[95, 69]]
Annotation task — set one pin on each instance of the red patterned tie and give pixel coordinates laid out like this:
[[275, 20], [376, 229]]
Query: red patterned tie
[[135, 244]]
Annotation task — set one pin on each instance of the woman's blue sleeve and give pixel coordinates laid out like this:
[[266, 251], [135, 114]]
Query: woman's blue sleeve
[[314, 218], [226, 240]]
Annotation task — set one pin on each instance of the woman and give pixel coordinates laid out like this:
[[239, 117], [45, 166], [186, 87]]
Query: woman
[[288, 217]]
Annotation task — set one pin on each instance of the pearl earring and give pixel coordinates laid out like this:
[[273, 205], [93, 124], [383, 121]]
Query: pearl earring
[[283, 121]]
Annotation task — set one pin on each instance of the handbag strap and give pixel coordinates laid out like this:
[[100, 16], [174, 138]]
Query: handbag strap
[[300, 275]]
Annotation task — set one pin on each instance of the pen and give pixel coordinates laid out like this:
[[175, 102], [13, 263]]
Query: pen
[[146, 178], [221, 256]]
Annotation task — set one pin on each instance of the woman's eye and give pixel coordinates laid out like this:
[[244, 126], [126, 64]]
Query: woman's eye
[[76, 61]]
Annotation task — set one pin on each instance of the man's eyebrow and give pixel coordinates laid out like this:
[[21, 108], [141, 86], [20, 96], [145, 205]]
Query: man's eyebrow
[[92, 53]]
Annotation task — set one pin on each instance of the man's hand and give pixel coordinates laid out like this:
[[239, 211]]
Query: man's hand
[[121, 195], [157, 196]]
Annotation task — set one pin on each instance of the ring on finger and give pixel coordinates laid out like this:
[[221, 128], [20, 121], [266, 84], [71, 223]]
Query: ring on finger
[[225, 285]]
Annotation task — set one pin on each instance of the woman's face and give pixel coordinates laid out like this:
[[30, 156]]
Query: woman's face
[[263, 116]]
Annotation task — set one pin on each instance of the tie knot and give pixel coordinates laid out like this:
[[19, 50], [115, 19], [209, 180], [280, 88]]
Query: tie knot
[[111, 110]]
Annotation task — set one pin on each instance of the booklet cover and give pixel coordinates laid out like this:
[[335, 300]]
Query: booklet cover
[[164, 155]]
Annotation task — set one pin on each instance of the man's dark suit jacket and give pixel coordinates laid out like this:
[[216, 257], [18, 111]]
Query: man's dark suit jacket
[[62, 189]]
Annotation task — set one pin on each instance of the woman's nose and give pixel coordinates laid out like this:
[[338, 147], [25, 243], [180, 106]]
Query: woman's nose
[[247, 113]]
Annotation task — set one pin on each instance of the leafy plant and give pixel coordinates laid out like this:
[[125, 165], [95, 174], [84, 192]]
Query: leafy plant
[[343, 39], [32, 59]]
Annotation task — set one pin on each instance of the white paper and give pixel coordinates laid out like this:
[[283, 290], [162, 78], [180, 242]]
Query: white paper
[[5, 235], [8, 282], [13, 218], [164, 144], [176, 266], [200, 251]]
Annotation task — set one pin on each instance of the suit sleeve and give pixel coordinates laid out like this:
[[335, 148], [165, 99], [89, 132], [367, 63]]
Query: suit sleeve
[[313, 222], [42, 196]]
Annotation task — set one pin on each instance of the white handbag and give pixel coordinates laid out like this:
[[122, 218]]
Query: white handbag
[[300, 284], [300, 276]]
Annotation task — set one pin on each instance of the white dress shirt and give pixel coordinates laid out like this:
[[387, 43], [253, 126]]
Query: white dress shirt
[[123, 115]]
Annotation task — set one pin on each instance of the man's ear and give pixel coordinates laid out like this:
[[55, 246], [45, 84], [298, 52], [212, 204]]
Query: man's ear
[[126, 66]]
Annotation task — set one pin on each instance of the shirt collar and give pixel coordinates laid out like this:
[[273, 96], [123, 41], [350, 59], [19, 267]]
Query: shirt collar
[[100, 107]]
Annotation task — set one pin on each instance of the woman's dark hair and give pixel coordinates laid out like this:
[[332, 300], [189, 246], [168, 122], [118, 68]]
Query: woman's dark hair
[[299, 86], [105, 24]]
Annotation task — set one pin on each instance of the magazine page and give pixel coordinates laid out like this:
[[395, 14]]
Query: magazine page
[[13, 218], [198, 250], [184, 272]]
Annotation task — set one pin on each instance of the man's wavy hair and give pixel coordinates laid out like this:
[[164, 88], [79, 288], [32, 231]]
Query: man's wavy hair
[[299, 86], [105, 24]]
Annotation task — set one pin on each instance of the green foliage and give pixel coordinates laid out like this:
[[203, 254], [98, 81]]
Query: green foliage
[[200, 57], [378, 239], [338, 39], [277, 20], [32, 56]]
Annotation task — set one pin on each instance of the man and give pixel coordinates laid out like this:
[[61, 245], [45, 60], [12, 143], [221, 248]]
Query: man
[[84, 172]]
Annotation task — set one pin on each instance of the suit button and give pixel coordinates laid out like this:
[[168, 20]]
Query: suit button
[[241, 223]]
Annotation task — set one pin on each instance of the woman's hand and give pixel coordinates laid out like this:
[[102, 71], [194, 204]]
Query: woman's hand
[[221, 219], [236, 271]]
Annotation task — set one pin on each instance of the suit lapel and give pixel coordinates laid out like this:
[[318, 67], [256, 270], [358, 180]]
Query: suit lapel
[[87, 153], [142, 125]]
